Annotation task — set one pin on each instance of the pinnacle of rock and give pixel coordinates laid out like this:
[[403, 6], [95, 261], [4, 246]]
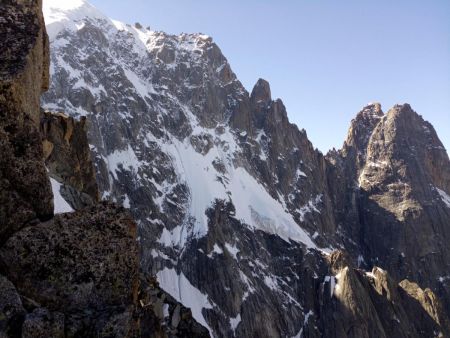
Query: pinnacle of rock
[[261, 92]]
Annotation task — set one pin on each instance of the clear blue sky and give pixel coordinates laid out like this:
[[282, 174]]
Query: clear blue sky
[[324, 58]]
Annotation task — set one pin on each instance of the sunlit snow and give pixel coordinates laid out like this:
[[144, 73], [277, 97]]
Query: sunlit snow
[[67, 14]]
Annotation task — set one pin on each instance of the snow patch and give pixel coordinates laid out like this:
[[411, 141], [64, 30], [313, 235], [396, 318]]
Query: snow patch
[[309, 207], [123, 159], [305, 321], [248, 283], [332, 281], [234, 322], [126, 202], [309, 314], [300, 174], [232, 250], [61, 206], [171, 238], [360, 260], [255, 207], [166, 310], [335, 280], [271, 282], [179, 287], [141, 87], [215, 251], [442, 279], [444, 196]]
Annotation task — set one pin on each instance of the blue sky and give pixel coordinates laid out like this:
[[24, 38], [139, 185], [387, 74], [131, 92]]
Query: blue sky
[[324, 58]]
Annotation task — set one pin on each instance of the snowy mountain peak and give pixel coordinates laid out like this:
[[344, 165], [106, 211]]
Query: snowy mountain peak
[[68, 15], [63, 6], [71, 15]]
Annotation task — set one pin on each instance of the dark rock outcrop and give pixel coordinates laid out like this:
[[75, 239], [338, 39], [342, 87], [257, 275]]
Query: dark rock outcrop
[[12, 312], [83, 264], [43, 323], [261, 94], [25, 192]]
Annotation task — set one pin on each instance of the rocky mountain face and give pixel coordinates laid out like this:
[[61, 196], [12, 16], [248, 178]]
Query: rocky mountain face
[[63, 275], [396, 174], [238, 217]]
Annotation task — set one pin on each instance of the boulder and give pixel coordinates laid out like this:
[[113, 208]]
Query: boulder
[[82, 264]]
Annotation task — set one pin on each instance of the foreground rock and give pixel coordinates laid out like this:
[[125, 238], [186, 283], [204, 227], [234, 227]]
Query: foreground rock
[[25, 192], [75, 274], [82, 264], [79, 274], [12, 312]]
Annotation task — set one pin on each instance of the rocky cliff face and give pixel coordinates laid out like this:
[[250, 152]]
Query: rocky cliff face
[[74, 274], [396, 172], [25, 194], [237, 213]]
